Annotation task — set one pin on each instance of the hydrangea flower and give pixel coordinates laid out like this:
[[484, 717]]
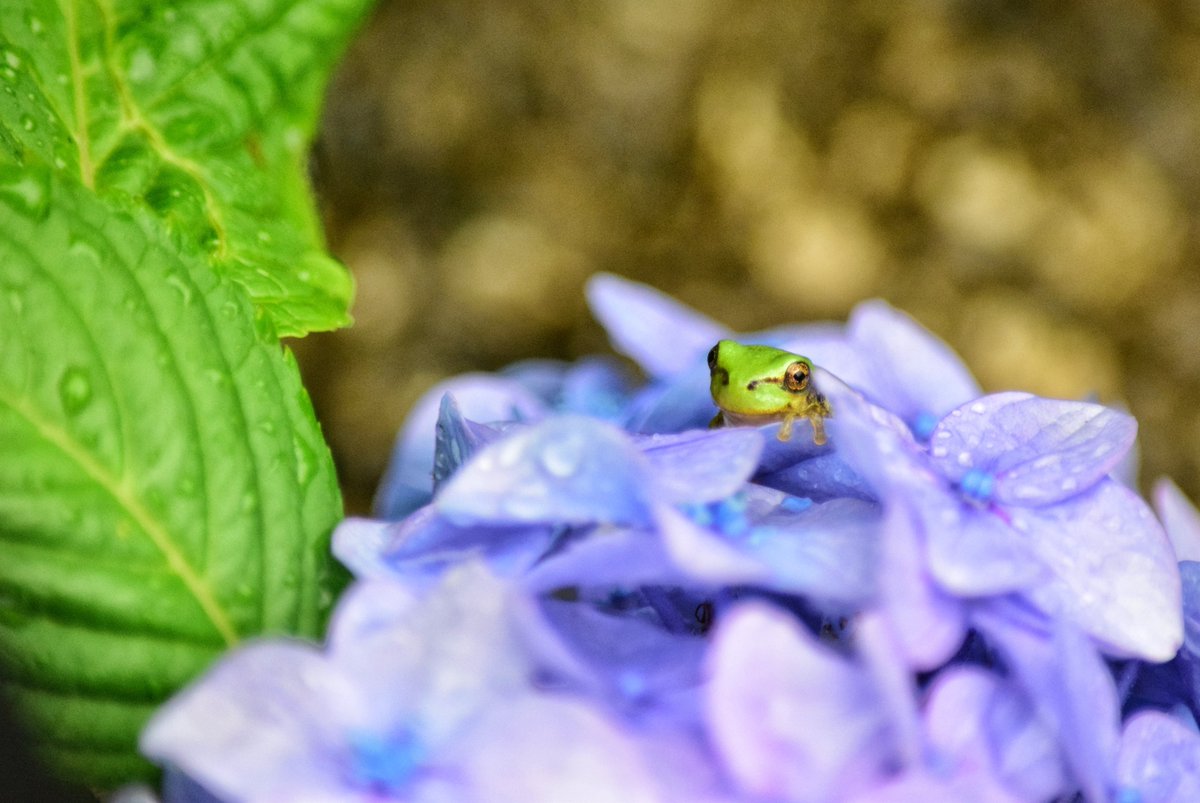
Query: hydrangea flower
[[577, 592]]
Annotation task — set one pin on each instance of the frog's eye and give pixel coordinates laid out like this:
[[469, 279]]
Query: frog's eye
[[795, 378], [712, 357]]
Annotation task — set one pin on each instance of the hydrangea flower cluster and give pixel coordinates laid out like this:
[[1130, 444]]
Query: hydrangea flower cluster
[[577, 592]]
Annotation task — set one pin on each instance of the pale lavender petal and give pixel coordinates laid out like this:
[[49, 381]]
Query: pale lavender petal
[[701, 465], [662, 335], [593, 386], [973, 551], [913, 373], [1039, 451], [927, 623], [546, 748], [703, 555], [876, 444], [267, 719], [1070, 686], [407, 484], [1112, 571], [875, 644], [778, 455], [565, 470], [975, 720], [1180, 519], [789, 718], [422, 665], [927, 787], [680, 403], [1160, 758], [360, 543]]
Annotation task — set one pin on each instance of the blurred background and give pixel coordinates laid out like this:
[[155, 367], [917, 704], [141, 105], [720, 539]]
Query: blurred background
[[1022, 177]]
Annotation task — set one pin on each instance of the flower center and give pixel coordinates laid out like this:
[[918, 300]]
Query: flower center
[[978, 485], [385, 763]]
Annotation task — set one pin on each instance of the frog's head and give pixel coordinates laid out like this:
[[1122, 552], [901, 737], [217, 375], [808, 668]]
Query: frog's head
[[757, 380]]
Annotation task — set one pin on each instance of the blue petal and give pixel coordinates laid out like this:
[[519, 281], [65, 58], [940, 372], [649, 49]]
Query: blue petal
[[592, 386], [973, 551], [618, 557], [456, 440], [663, 336], [1040, 451], [701, 466], [1111, 570], [1180, 518], [911, 371], [407, 484], [566, 470], [820, 478], [671, 405]]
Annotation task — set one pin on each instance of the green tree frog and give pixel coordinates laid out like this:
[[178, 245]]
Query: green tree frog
[[755, 385]]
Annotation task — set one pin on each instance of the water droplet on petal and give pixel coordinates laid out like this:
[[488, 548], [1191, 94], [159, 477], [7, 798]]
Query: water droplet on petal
[[964, 458], [74, 390], [562, 458], [978, 408], [1070, 484], [939, 451]]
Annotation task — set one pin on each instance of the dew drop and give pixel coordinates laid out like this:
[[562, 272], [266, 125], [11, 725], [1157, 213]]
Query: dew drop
[[1069, 484], [12, 59], [36, 25], [16, 301], [939, 451], [9, 73], [306, 461], [264, 236], [562, 458], [978, 408], [185, 291], [74, 390], [27, 122], [942, 434], [29, 193], [964, 458], [60, 162]]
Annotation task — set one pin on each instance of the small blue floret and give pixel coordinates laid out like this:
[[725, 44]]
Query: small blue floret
[[978, 485]]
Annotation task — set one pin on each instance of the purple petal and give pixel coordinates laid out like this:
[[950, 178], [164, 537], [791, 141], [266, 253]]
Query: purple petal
[[923, 787], [1112, 571], [634, 660], [1180, 519], [876, 444], [827, 551], [913, 374], [407, 483], [1039, 451], [1070, 686], [548, 748], [662, 335], [1160, 758], [974, 718], [267, 719], [565, 470], [790, 719], [701, 466], [972, 551], [703, 555], [928, 624], [682, 402], [421, 665], [594, 387], [1189, 574], [608, 557]]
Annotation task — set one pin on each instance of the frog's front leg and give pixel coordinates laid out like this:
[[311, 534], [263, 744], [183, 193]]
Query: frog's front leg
[[718, 420], [785, 429], [818, 425]]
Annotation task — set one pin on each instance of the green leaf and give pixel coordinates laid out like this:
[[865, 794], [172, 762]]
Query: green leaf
[[164, 488], [199, 112]]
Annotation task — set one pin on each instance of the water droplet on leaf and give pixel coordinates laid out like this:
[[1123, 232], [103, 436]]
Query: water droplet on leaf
[[74, 390]]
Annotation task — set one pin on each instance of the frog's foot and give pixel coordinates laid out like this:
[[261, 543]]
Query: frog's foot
[[785, 429], [717, 420]]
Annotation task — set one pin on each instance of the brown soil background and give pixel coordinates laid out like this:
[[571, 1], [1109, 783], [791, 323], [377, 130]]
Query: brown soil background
[[1022, 177]]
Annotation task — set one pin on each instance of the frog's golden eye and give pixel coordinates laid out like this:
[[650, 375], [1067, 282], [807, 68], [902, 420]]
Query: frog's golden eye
[[795, 378], [712, 357]]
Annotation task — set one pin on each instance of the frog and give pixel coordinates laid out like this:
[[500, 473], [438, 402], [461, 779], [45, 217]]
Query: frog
[[754, 384]]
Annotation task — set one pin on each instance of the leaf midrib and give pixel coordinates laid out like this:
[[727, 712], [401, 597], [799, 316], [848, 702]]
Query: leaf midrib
[[127, 500]]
